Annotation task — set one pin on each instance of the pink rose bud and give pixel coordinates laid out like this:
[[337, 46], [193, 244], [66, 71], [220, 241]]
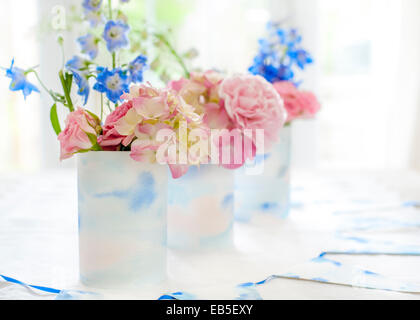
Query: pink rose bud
[[74, 137]]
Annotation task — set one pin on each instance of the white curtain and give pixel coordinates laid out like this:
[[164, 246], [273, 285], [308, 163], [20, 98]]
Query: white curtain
[[410, 66], [368, 80], [20, 119]]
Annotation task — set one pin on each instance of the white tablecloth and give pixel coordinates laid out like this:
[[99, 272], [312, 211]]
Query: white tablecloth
[[38, 240]]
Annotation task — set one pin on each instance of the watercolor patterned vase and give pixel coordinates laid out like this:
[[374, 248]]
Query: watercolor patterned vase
[[268, 191], [200, 209], [122, 220]]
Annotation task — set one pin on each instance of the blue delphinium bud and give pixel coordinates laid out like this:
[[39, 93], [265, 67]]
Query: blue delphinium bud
[[136, 68], [82, 83], [77, 64]]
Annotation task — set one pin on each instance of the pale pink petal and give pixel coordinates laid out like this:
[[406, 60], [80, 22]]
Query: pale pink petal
[[178, 170]]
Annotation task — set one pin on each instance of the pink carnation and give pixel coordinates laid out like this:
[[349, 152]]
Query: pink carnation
[[202, 88], [177, 85], [299, 104], [216, 116], [74, 137], [141, 123], [110, 138], [252, 103], [145, 146]]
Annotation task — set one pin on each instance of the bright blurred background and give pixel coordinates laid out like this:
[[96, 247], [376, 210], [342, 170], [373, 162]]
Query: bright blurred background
[[366, 72]]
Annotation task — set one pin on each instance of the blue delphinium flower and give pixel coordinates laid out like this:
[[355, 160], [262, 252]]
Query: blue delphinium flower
[[92, 5], [278, 53], [112, 82], [79, 67], [285, 73], [19, 81], [116, 35], [89, 45], [266, 49], [82, 83], [136, 68], [292, 38], [301, 57], [77, 64]]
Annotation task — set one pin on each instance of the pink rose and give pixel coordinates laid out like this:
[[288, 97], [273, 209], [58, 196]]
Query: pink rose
[[253, 103], [110, 138], [74, 137], [299, 104]]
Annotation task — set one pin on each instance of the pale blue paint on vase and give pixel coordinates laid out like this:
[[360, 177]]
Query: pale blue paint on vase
[[122, 220], [200, 209], [269, 191]]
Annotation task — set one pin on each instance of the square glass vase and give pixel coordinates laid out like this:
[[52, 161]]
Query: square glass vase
[[200, 209], [122, 208], [266, 190]]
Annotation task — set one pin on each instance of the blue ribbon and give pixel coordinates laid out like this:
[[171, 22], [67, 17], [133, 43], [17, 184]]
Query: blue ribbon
[[177, 296], [40, 288]]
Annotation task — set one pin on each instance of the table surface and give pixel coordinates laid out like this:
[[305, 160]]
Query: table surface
[[38, 240]]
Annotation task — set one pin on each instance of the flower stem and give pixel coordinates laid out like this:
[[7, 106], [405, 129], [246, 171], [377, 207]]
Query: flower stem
[[41, 83], [66, 91], [110, 9], [60, 41], [110, 18], [109, 106], [102, 106], [172, 50]]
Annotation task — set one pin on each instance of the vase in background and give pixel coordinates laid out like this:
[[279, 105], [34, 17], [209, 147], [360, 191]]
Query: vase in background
[[269, 191], [200, 209], [122, 220]]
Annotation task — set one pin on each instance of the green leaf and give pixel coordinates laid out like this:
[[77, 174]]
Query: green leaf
[[96, 147], [93, 139], [81, 151], [54, 119]]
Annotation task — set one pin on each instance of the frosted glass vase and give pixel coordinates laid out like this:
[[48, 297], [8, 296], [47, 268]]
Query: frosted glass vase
[[269, 191], [200, 209], [122, 220]]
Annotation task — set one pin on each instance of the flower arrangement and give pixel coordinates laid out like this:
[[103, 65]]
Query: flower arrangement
[[136, 112], [170, 125], [279, 58]]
